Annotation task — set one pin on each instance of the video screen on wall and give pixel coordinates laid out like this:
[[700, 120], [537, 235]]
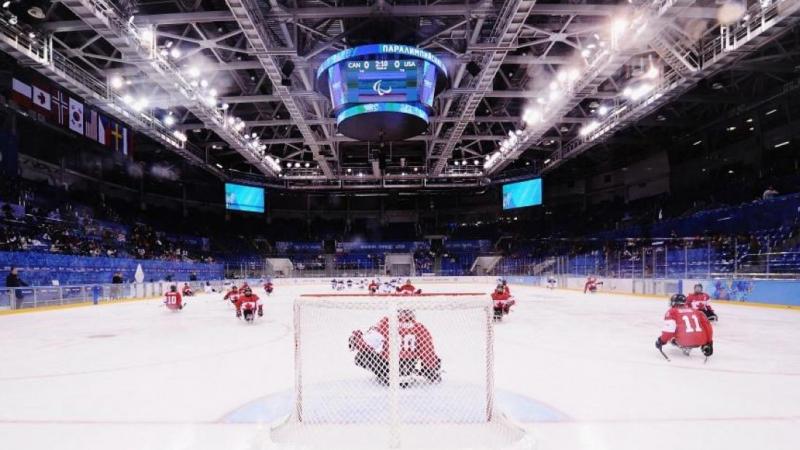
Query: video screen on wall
[[239, 197], [522, 194]]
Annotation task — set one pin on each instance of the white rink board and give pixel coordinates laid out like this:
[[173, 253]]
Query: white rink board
[[134, 376]]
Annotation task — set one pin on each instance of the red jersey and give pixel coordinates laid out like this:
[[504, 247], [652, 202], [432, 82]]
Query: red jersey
[[591, 285], [415, 341], [372, 287], [499, 296], [698, 300], [268, 287], [232, 295], [247, 302], [187, 290], [407, 288], [173, 300], [689, 327]]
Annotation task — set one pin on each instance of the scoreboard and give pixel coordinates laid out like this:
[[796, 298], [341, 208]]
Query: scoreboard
[[394, 85], [382, 80]]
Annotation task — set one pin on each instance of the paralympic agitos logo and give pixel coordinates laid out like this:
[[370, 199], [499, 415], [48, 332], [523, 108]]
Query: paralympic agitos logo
[[380, 90]]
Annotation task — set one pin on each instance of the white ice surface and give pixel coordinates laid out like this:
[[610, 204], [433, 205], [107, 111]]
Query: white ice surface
[[135, 376]]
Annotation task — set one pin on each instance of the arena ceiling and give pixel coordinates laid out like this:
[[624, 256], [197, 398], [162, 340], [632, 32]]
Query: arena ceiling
[[533, 83]]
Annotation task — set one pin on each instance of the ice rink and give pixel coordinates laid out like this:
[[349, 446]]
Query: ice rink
[[578, 371]]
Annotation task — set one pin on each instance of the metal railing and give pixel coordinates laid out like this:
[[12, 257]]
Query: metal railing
[[667, 261]]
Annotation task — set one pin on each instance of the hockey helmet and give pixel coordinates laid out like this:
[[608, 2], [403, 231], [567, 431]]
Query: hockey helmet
[[173, 288], [405, 315], [677, 300], [247, 290]]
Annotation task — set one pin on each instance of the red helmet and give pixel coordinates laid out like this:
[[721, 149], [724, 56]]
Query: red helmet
[[406, 315]]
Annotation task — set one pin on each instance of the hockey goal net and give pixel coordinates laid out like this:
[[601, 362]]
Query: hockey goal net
[[395, 372]]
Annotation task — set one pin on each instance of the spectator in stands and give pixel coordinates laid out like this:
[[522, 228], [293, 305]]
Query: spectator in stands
[[13, 281], [8, 214], [770, 193], [193, 276]]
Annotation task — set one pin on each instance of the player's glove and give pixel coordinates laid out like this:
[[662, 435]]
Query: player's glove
[[351, 344], [708, 349], [659, 344]]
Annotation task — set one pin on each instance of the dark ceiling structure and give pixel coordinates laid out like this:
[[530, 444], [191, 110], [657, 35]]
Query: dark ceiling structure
[[229, 84]]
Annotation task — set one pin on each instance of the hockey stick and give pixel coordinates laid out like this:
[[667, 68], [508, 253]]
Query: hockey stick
[[664, 354]]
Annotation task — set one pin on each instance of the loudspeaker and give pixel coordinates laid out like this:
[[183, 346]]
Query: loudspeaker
[[473, 68]]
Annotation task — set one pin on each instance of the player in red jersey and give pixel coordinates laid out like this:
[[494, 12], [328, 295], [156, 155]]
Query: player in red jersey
[[503, 301], [187, 290], [699, 300], [409, 289], [247, 305], [417, 353], [232, 294], [591, 285], [373, 287], [686, 328], [269, 287], [173, 299]]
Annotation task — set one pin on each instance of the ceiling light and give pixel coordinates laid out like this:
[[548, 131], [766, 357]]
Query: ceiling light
[[731, 128], [297, 165], [752, 128], [164, 52], [697, 143], [225, 106], [349, 170], [127, 99], [652, 73], [175, 52], [146, 35], [602, 110], [168, 44], [770, 112], [116, 82], [13, 20], [212, 92], [193, 72], [589, 128], [6, 4], [169, 120], [307, 165], [781, 144]]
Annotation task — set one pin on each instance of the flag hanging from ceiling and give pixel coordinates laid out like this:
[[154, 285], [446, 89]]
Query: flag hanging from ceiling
[[21, 93], [75, 115], [103, 130], [60, 107], [41, 100], [91, 126]]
